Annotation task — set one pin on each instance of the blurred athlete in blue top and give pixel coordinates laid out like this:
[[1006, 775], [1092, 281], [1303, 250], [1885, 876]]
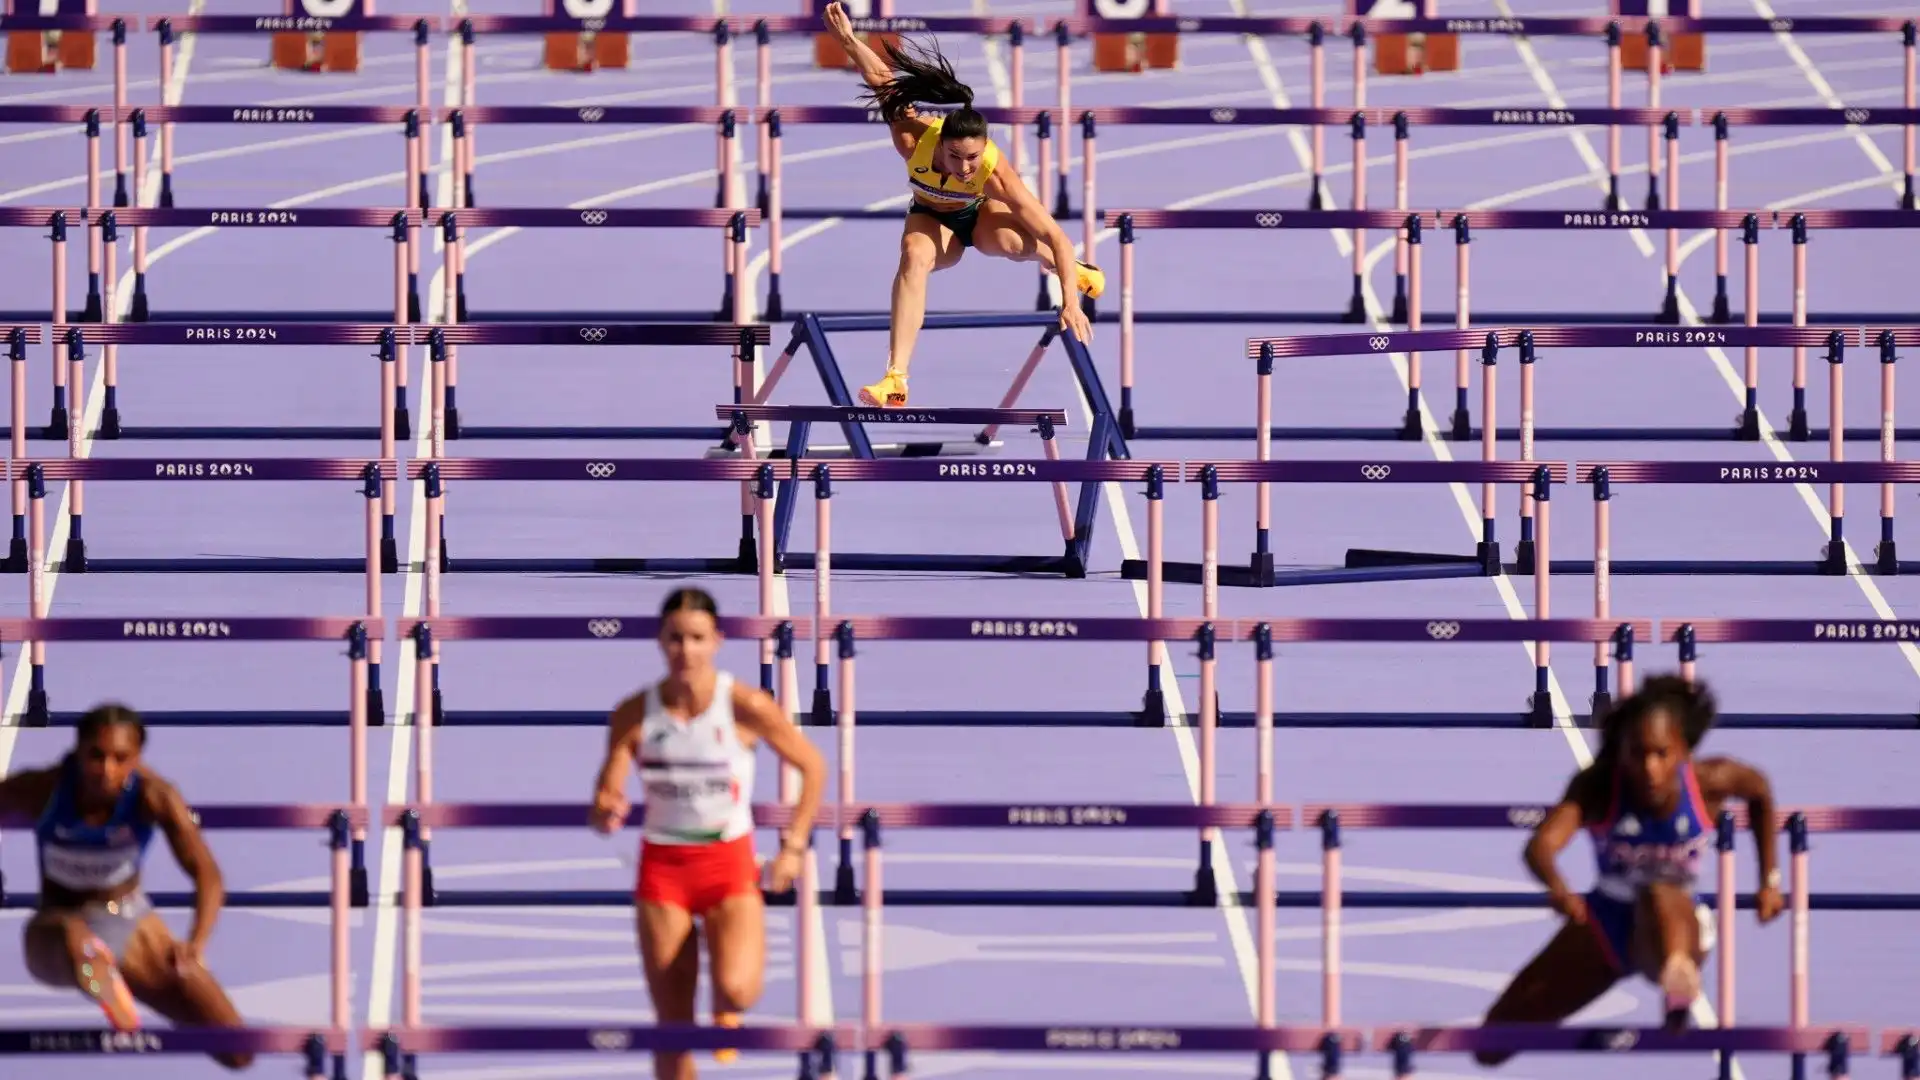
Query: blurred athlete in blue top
[[1651, 808], [95, 812]]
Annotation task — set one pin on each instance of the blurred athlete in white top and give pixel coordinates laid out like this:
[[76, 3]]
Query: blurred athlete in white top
[[693, 737]]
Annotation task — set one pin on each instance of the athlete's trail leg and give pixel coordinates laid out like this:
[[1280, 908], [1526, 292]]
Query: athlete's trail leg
[[670, 953], [1569, 974], [1667, 949]]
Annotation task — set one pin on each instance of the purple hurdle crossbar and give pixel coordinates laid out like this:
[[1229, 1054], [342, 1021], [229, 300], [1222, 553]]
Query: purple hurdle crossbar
[[317, 1047], [776, 635], [1838, 1041], [443, 344]]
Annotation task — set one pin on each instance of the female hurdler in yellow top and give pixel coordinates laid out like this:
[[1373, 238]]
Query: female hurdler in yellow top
[[962, 198]]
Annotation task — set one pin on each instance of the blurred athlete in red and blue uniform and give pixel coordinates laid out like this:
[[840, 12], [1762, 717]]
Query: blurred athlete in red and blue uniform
[[1651, 808]]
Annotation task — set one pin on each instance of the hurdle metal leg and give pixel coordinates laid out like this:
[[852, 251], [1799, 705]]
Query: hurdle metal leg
[[1722, 309], [1357, 304], [93, 309], [58, 420], [138, 310], [17, 369], [1613, 201], [110, 352]]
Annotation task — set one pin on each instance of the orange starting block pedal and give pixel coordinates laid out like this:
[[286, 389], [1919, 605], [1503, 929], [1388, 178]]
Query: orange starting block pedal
[[588, 51], [1415, 54], [324, 52], [1680, 52], [1135, 52]]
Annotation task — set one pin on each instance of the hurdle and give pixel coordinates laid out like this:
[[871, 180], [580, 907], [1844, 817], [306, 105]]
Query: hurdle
[[1904, 1045], [402, 226], [813, 333], [307, 39], [90, 118], [464, 119], [1689, 634], [364, 706], [755, 554], [443, 353], [1837, 1041], [404, 117], [732, 224]]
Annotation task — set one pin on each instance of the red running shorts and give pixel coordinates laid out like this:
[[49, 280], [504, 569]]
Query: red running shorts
[[696, 877]]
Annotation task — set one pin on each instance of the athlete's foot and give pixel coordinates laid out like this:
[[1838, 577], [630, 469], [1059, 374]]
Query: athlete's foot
[[726, 1055], [889, 393], [101, 980], [1680, 985], [1092, 281]]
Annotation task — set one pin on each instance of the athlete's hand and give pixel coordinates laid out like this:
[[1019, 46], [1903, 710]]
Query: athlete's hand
[[185, 956], [837, 22], [1768, 904], [1074, 318], [783, 871], [1570, 904], [609, 811]]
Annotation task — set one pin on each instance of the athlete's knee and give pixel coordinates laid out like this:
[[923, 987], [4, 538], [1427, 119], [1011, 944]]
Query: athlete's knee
[[1492, 1059], [917, 256], [234, 1062], [737, 990]]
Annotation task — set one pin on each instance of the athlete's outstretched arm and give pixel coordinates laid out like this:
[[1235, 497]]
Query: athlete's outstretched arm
[[174, 818], [610, 804], [1724, 778], [875, 72], [1007, 186]]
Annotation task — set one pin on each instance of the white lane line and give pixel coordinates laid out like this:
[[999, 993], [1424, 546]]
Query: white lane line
[[1892, 176]]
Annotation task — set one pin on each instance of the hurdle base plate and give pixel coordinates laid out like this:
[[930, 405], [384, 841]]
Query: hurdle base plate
[[266, 564], [1232, 576], [1029, 565]]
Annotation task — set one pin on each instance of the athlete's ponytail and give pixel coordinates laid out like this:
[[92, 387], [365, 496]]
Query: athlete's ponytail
[[921, 75], [1691, 704]]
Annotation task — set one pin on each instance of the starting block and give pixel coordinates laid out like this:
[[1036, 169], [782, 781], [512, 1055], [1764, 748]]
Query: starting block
[[827, 53], [587, 50], [1679, 52], [320, 49], [1131, 52], [43, 52], [1408, 54]]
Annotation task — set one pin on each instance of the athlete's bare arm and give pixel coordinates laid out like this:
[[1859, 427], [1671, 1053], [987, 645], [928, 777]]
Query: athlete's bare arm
[[170, 813], [755, 711], [1723, 778], [1563, 822], [610, 803], [27, 791], [876, 72], [1005, 185]]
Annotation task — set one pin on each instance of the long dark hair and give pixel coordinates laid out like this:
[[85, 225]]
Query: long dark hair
[[921, 74], [689, 599], [1692, 704]]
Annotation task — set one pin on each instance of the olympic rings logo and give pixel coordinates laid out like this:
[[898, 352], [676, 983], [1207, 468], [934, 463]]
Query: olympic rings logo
[[1857, 116], [1376, 472], [603, 628], [609, 1040], [1443, 631], [1223, 116], [1379, 342], [600, 470], [593, 333], [1266, 221], [593, 217], [592, 116]]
